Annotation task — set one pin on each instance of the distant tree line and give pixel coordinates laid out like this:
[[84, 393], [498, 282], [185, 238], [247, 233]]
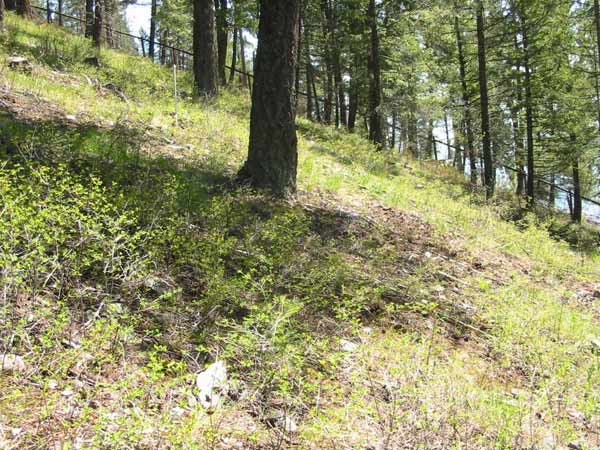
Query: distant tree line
[[489, 83]]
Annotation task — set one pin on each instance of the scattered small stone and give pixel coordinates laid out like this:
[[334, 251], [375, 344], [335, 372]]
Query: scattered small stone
[[18, 62], [12, 363], [211, 384], [596, 346], [348, 346], [419, 186], [67, 393], [52, 385], [71, 118], [177, 412], [283, 421], [577, 415], [367, 330], [575, 445]]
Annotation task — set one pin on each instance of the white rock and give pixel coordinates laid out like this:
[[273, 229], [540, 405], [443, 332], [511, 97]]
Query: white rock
[[12, 363], [596, 344], [211, 384], [348, 346], [289, 425], [283, 421]]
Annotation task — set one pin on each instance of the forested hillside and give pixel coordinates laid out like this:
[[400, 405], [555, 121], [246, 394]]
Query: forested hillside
[[299, 224]]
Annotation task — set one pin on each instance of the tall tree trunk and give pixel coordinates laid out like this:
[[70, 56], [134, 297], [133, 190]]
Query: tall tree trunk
[[205, 50], [1, 14], [234, 48], [316, 99], [334, 58], [163, 51], [353, 106], [516, 125], [244, 75], [60, 13], [309, 75], [552, 191], [577, 204], [10, 5], [394, 124], [488, 162], [153, 12], [449, 156], [89, 18], [374, 66], [24, 8], [273, 155], [98, 22], [597, 26], [298, 61], [528, 118], [466, 98], [222, 38]]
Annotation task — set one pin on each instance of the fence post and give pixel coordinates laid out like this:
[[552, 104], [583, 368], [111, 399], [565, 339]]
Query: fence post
[[175, 93]]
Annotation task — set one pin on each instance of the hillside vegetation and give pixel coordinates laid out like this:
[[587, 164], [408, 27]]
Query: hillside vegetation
[[386, 307]]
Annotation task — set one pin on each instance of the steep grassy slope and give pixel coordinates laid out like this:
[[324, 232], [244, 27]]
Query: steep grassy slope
[[384, 308]]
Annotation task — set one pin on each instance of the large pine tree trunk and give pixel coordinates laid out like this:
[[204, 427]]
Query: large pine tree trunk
[[222, 38], [205, 50], [234, 51], [528, 119], [488, 163], [89, 18], [98, 23], [468, 122], [577, 204], [1, 14], [153, 11], [353, 106], [273, 155], [309, 75], [244, 78], [24, 8], [374, 66], [597, 26]]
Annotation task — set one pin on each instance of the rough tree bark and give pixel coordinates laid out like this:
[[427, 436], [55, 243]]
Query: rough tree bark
[[234, 48], [244, 78], [309, 75], [222, 39], [374, 66], [60, 13], [24, 8], [273, 155], [89, 18], [205, 50], [152, 37], [488, 162], [468, 122], [98, 23], [528, 118]]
